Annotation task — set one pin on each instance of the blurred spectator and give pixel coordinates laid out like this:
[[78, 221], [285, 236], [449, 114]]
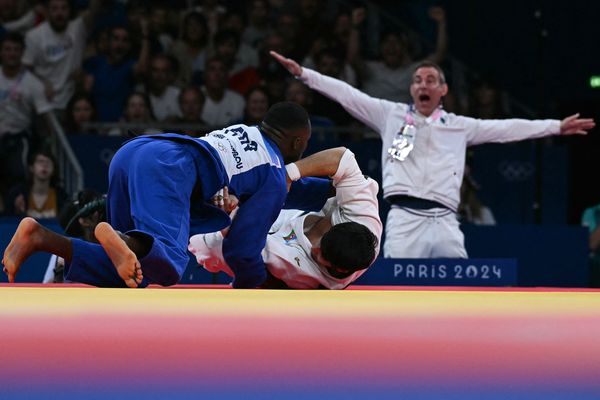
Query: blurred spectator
[[331, 44], [591, 220], [267, 65], [213, 12], [111, 77], [222, 106], [311, 25], [99, 44], [275, 83], [329, 63], [470, 209], [17, 16], [299, 93], [190, 49], [486, 101], [191, 102], [21, 97], [54, 49], [137, 111], [241, 61], [78, 219], [234, 21], [391, 77], [80, 111], [257, 105], [164, 96], [40, 196], [258, 23], [287, 26], [160, 26]]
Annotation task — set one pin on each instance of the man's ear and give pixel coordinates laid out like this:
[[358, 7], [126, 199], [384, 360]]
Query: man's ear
[[297, 143]]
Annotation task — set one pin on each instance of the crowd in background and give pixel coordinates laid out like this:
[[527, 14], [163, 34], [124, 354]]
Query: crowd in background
[[191, 64]]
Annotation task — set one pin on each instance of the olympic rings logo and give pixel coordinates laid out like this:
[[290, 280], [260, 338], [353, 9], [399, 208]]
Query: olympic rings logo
[[516, 171]]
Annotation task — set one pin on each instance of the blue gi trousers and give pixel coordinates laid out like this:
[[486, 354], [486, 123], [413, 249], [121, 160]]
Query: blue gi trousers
[[150, 187]]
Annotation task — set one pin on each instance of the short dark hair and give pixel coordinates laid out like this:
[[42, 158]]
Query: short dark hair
[[286, 117], [13, 37], [431, 64], [350, 246]]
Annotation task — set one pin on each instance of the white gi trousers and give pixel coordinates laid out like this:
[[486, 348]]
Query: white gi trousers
[[432, 233]]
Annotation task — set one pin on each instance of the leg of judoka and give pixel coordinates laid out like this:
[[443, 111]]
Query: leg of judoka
[[31, 237], [123, 258]]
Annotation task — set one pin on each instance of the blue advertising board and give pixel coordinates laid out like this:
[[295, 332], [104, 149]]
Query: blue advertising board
[[442, 272]]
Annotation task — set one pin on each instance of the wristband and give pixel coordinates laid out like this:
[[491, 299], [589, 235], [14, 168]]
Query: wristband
[[293, 172]]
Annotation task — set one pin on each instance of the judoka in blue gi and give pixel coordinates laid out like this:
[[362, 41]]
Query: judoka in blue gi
[[154, 181]]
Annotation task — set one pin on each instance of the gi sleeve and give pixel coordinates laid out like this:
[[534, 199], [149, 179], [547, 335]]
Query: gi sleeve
[[308, 194], [369, 110], [356, 196], [248, 232]]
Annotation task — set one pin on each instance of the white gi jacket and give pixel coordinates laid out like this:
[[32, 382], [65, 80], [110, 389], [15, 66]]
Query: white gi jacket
[[287, 253], [434, 169]]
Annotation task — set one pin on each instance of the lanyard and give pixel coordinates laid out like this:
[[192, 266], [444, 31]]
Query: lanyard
[[404, 141]]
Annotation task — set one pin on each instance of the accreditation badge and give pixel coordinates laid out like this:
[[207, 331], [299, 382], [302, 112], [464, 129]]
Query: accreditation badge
[[403, 143]]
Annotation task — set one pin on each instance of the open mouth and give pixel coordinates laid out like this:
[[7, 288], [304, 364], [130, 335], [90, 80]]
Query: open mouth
[[424, 97]]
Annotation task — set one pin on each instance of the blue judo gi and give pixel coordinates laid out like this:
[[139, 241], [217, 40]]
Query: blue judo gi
[[151, 179]]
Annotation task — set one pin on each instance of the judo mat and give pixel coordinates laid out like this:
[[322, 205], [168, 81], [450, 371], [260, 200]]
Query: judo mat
[[59, 342]]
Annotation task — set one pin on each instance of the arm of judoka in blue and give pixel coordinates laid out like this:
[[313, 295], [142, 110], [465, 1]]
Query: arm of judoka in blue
[[248, 232], [309, 194]]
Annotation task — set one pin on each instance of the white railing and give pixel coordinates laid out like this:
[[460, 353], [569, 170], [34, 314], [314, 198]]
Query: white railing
[[71, 173]]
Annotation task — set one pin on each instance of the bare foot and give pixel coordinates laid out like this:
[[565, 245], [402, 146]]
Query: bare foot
[[122, 257], [24, 243]]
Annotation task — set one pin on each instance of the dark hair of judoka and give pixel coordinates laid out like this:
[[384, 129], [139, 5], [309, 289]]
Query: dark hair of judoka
[[286, 117], [350, 246]]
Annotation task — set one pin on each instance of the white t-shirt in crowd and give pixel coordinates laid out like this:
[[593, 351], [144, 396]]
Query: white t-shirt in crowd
[[56, 56], [166, 105], [386, 83], [19, 97], [229, 110]]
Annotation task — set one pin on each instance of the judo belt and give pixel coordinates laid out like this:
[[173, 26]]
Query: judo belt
[[413, 202]]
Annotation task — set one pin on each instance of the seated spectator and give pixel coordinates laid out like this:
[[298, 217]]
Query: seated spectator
[[486, 101], [299, 93], [258, 23], [137, 111], [330, 63], [164, 96], [213, 12], [470, 209], [160, 25], [78, 219], [222, 106], [240, 60], [312, 24], [111, 77], [257, 105], [40, 196], [191, 102], [190, 50], [332, 45], [80, 110], [21, 98]]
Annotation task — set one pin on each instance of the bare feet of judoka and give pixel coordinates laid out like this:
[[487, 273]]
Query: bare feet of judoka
[[122, 257], [23, 244]]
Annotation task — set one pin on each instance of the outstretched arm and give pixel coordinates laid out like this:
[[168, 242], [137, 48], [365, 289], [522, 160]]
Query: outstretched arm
[[323, 163], [573, 125], [292, 66]]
